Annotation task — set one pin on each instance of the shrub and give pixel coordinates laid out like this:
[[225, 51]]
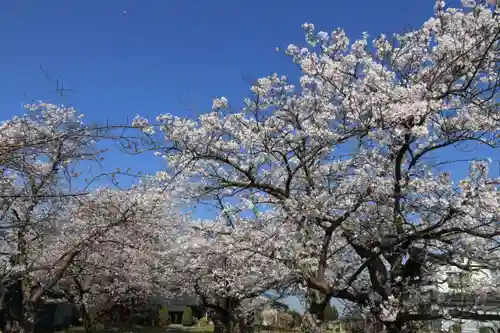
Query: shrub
[[204, 321], [187, 317], [456, 328], [485, 329], [331, 313], [163, 316]]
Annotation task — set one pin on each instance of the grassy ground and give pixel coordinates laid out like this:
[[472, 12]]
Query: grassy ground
[[199, 329], [210, 329], [142, 329], [173, 329], [134, 329]]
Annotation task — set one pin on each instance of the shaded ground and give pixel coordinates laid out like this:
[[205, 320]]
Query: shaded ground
[[134, 329], [191, 329], [142, 329], [176, 329]]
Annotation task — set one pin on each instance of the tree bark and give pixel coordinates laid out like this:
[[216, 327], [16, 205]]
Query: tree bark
[[30, 316], [18, 325], [246, 323], [13, 311], [88, 321], [315, 316], [394, 328], [317, 305], [224, 322], [309, 324]]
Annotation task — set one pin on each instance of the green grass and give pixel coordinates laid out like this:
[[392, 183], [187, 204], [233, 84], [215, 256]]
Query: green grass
[[141, 329], [210, 329], [189, 329], [134, 329], [199, 329]]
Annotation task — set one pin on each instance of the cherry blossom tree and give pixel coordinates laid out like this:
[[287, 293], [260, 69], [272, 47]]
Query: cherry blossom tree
[[118, 233], [360, 169], [38, 154], [50, 218], [204, 261]]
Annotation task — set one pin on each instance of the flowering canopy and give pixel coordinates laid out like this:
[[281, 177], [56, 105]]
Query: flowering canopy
[[58, 232], [354, 169]]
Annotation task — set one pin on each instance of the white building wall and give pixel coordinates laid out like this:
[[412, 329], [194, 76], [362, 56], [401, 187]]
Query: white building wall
[[479, 282], [470, 326]]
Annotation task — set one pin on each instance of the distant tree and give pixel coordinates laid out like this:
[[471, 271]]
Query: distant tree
[[187, 317], [331, 313]]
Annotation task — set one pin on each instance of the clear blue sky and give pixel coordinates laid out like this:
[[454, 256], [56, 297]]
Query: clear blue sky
[[125, 57]]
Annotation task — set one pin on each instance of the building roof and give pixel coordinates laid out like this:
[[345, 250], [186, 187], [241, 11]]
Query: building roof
[[178, 303], [176, 308]]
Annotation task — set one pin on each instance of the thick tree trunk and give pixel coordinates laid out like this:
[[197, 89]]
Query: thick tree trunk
[[88, 321], [13, 310], [317, 304], [315, 315], [30, 317], [20, 313], [13, 326], [222, 326], [246, 323], [396, 327], [224, 322], [309, 324]]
